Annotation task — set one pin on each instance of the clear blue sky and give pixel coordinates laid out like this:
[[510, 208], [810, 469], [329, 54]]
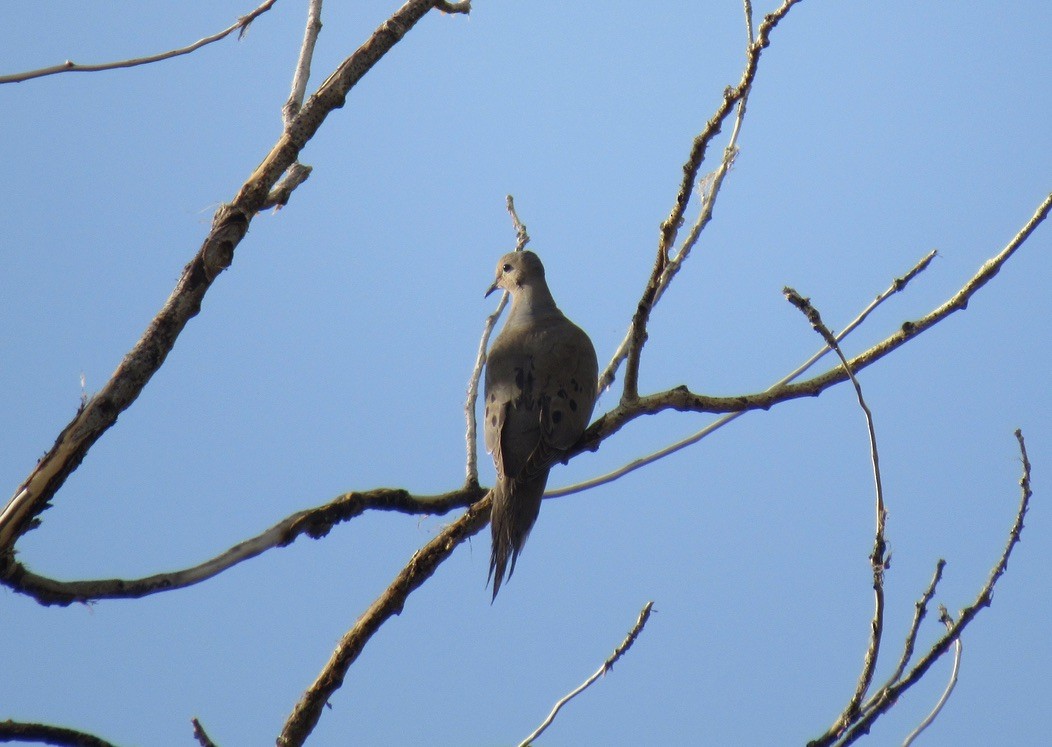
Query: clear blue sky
[[334, 355]]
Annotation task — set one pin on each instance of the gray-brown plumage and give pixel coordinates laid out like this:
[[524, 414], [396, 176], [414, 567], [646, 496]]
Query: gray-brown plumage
[[540, 390]]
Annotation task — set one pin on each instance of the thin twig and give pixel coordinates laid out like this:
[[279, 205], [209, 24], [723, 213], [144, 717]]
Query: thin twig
[[898, 285], [919, 612], [877, 559], [630, 348], [958, 649], [303, 63], [297, 173], [626, 644], [279, 196], [522, 238], [69, 66]]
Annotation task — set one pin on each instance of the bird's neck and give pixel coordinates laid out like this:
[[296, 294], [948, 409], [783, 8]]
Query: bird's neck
[[531, 302]]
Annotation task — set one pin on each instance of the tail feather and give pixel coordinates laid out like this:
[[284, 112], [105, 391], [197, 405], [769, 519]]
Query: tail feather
[[515, 508]]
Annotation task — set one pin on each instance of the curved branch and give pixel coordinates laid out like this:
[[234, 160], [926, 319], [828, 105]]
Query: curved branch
[[72, 67], [229, 226], [315, 523], [958, 650], [29, 732], [878, 559]]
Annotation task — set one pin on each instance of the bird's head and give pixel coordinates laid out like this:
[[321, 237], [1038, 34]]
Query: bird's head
[[517, 270]]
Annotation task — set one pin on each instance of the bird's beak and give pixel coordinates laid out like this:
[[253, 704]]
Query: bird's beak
[[491, 288]]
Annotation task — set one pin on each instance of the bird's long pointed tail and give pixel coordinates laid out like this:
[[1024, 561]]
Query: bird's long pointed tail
[[515, 509]]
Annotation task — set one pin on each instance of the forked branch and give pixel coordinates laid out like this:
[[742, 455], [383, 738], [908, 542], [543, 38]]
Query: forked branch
[[229, 227]]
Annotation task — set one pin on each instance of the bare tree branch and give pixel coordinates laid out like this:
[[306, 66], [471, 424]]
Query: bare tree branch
[[522, 238], [297, 173], [279, 196], [58, 735], [878, 560], [884, 699], [201, 735], [303, 63], [683, 400], [641, 621], [55, 592], [897, 285], [315, 523], [958, 649], [69, 66], [308, 710], [661, 275], [229, 227], [919, 612]]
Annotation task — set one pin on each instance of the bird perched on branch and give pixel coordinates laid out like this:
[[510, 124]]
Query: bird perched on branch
[[541, 377]]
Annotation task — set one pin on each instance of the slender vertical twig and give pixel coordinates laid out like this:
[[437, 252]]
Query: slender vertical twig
[[877, 558], [958, 649], [522, 238], [303, 63], [919, 612]]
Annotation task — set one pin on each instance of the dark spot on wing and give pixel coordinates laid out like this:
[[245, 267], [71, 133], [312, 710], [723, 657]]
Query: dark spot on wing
[[557, 417]]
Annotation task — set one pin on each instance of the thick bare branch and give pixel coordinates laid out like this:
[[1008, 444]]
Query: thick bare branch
[[22, 731], [69, 66], [305, 716], [229, 226], [315, 523]]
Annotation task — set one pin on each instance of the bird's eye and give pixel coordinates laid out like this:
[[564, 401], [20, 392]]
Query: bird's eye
[[506, 268]]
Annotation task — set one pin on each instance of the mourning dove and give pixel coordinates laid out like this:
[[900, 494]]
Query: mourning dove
[[541, 380]]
